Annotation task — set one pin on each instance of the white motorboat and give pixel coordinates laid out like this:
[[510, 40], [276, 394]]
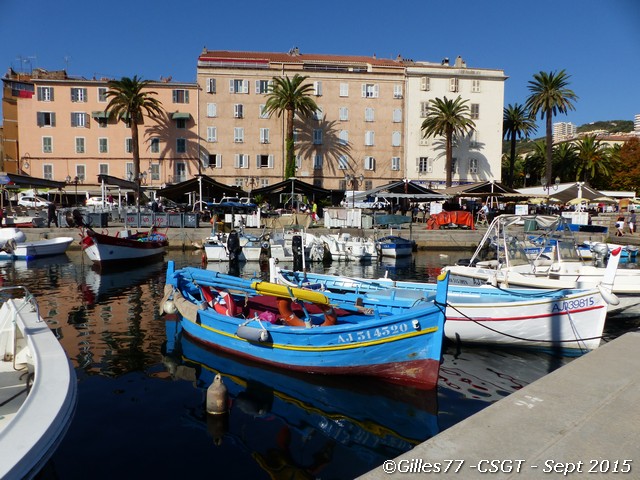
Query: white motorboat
[[14, 245], [564, 318], [500, 259], [344, 246], [38, 387], [394, 246], [588, 248]]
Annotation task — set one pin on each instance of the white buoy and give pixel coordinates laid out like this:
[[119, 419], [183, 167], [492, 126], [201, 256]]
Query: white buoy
[[217, 397], [169, 307]]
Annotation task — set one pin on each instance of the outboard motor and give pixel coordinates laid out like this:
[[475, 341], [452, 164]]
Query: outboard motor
[[233, 246], [265, 249], [600, 254], [296, 246]]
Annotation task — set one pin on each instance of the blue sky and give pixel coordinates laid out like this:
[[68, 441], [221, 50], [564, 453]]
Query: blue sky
[[596, 42]]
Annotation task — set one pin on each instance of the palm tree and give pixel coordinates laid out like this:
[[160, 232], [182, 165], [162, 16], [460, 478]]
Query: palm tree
[[290, 96], [565, 160], [550, 96], [128, 101], [594, 157], [516, 123], [447, 118], [535, 160]]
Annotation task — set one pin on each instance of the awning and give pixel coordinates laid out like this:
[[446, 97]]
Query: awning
[[99, 114], [181, 116]]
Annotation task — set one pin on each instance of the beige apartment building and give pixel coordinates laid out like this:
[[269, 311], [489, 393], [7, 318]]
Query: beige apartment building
[[357, 131], [56, 129]]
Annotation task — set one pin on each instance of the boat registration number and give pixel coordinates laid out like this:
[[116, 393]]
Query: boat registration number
[[373, 334], [574, 304]]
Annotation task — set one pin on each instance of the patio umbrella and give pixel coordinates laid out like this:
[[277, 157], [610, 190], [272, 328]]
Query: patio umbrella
[[577, 201], [605, 200]]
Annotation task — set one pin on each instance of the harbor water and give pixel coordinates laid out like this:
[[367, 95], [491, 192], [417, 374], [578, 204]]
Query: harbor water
[[142, 385]]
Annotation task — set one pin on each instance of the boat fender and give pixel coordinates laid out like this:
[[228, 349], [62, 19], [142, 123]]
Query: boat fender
[[217, 397], [252, 334], [169, 307], [608, 296]]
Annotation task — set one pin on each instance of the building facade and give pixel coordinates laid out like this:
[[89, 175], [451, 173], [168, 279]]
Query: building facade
[[358, 130], [57, 129], [365, 133], [478, 156], [564, 131]]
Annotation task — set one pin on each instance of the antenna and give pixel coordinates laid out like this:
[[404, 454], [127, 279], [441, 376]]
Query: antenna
[[66, 62]]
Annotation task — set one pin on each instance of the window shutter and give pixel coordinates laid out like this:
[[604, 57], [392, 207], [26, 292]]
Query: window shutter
[[258, 160], [219, 160], [40, 119], [364, 90], [40, 96], [245, 86], [270, 161], [231, 89], [73, 119], [236, 161], [53, 119], [376, 91]]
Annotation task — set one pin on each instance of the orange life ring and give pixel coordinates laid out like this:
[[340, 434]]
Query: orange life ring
[[292, 320], [225, 305]]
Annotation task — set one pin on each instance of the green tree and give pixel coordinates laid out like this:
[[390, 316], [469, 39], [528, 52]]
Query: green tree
[[550, 96], [290, 96], [516, 123], [535, 161], [447, 118], [565, 160], [595, 160], [129, 100]]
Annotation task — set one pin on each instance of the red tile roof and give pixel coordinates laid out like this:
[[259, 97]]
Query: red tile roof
[[264, 57]]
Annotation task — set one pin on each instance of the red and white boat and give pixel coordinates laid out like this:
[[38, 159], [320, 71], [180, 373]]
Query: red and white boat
[[119, 249]]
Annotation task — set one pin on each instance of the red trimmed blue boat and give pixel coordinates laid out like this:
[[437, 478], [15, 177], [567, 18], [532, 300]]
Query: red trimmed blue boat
[[301, 330]]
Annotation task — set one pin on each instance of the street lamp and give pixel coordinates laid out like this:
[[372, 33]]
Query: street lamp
[[75, 182], [526, 177], [547, 187], [354, 181], [251, 182]]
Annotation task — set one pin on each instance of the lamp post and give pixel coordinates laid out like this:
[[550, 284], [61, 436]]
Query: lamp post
[[251, 182], [354, 181], [75, 182], [526, 177], [547, 187]]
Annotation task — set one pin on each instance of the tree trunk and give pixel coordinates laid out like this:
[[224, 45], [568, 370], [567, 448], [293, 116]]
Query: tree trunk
[[135, 148], [512, 159], [548, 164], [449, 159], [290, 164]]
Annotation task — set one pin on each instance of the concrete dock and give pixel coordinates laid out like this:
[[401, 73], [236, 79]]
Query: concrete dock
[[582, 420]]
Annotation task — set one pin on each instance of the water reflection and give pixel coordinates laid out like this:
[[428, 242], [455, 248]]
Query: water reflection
[[313, 422]]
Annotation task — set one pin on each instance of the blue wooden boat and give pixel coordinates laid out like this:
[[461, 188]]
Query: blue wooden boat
[[364, 419], [301, 330]]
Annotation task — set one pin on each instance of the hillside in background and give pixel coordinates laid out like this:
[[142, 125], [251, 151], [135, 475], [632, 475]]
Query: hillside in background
[[611, 126]]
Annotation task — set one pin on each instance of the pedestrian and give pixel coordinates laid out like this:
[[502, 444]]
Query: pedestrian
[[52, 215], [632, 222], [154, 206], [314, 211], [620, 226], [1, 216]]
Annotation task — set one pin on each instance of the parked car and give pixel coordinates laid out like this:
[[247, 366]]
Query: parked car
[[33, 201], [97, 202]]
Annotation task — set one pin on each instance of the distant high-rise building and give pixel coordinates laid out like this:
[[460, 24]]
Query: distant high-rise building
[[636, 123], [564, 131]]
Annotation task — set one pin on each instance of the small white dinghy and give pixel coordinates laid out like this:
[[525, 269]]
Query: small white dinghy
[[37, 387]]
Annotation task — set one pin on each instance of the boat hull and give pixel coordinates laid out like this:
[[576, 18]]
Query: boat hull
[[112, 250], [38, 249], [33, 423], [569, 319], [402, 348]]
